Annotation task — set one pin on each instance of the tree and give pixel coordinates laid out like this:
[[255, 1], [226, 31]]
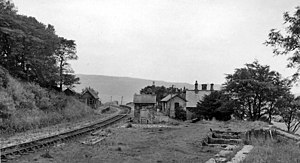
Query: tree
[[65, 52], [32, 51], [27, 47], [217, 104], [289, 110], [160, 91], [7, 7], [255, 89], [288, 42]]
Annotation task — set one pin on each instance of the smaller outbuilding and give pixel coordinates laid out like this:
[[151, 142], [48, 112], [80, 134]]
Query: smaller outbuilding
[[90, 97], [172, 102], [144, 106]]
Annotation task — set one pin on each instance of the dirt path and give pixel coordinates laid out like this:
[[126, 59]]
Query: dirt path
[[56, 129], [172, 143]]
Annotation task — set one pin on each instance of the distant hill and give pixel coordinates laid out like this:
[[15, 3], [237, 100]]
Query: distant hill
[[117, 87]]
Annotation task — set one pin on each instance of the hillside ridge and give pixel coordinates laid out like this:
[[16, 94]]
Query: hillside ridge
[[114, 87]]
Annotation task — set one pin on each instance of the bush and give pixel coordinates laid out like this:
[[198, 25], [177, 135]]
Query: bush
[[214, 105], [180, 114]]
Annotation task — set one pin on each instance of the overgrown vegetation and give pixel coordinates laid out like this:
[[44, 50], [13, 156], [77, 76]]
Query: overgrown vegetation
[[215, 105], [31, 50], [37, 59], [160, 91], [180, 113], [289, 110], [25, 106], [277, 151], [255, 90]]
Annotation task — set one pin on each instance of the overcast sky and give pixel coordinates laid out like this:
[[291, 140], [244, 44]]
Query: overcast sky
[[171, 40]]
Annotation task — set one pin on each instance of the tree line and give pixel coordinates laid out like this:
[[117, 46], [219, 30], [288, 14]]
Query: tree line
[[255, 92], [33, 52]]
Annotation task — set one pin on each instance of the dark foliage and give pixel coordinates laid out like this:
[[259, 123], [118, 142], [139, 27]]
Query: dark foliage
[[160, 91], [180, 114], [255, 90], [31, 51], [289, 110], [216, 104]]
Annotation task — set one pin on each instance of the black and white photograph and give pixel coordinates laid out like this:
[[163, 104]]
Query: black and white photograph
[[150, 81]]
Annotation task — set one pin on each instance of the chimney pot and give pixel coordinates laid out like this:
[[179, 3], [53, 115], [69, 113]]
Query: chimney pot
[[204, 87], [196, 86], [212, 86]]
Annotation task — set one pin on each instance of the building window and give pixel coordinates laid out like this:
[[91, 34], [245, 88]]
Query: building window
[[91, 101], [176, 105]]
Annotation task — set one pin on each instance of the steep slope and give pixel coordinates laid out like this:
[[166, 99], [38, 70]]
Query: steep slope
[[25, 106], [122, 86]]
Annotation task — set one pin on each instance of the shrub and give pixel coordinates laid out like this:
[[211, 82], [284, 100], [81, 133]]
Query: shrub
[[180, 113], [215, 105]]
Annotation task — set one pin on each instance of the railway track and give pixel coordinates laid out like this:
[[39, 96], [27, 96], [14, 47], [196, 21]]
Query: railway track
[[11, 152]]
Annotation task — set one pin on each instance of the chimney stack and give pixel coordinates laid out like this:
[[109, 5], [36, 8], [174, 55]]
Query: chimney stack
[[211, 86], [204, 87], [196, 86]]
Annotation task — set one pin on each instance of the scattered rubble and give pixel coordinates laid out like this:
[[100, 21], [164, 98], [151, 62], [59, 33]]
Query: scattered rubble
[[241, 155], [130, 125], [46, 155], [60, 145], [229, 140], [92, 140], [96, 137]]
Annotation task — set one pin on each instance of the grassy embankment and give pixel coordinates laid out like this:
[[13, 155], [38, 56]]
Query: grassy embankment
[[25, 106], [278, 150]]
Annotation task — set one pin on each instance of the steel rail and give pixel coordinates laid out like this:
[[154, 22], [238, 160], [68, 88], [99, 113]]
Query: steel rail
[[11, 152]]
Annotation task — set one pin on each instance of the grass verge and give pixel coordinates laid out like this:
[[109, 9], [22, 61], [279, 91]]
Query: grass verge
[[279, 150]]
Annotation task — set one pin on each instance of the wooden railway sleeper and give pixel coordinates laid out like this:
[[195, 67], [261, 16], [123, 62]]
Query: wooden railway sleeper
[[24, 152], [17, 153], [3, 158], [9, 156], [30, 150]]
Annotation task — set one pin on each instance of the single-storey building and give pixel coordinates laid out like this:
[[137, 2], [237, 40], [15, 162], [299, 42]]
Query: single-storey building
[[144, 105], [171, 102], [90, 97]]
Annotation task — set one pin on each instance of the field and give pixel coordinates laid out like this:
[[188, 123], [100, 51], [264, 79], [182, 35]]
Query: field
[[174, 142], [277, 151]]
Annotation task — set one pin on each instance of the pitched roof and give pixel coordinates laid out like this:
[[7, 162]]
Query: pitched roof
[[69, 91], [170, 96], [144, 99], [193, 98], [92, 92]]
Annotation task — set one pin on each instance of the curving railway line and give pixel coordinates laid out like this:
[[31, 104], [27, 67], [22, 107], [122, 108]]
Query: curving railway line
[[11, 152]]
